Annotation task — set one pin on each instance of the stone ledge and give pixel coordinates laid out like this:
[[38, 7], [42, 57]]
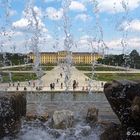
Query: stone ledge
[[124, 98], [12, 108]]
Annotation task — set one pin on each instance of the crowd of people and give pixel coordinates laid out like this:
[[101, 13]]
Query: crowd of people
[[58, 83]]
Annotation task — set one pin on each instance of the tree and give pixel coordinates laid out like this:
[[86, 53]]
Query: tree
[[134, 54], [134, 57]]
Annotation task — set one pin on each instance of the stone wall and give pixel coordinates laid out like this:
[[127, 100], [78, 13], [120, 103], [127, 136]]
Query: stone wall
[[124, 98], [12, 108]]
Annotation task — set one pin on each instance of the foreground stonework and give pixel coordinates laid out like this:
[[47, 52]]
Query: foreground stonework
[[12, 108], [92, 114], [63, 119], [124, 98]]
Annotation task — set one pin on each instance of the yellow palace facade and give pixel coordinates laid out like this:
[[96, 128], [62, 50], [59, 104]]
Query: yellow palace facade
[[56, 57]]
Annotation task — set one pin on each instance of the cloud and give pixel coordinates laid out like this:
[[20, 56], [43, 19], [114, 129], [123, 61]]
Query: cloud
[[116, 6], [28, 22], [26, 25], [133, 26], [112, 46], [116, 47], [54, 14], [77, 6], [83, 17]]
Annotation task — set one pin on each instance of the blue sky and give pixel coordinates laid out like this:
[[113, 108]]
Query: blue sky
[[112, 17]]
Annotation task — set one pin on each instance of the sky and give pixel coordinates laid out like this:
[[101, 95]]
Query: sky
[[106, 26]]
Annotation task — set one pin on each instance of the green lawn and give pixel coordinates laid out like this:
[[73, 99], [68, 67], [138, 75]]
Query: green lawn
[[18, 77], [80, 65], [49, 64], [115, 76], [48, 68], [29, 68], [98, 68]]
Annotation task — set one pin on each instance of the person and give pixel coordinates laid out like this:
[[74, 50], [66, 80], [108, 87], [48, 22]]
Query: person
[[61, 85], [53, 85], [33, 84], [57, 80], [29, 83], [102, 84], [67, 77], [61, 75], [18, 83], [74, 84], [25, 88], [17, 88]]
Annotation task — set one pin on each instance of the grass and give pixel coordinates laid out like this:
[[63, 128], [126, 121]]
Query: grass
[[49, 64], [18, 77], [29, 68], [115, 76], [98, 68], [80, 65]]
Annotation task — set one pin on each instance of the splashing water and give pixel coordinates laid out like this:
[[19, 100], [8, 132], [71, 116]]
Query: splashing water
[[96, 43], [124, 41], [68, 43], [34, 27], [36, 130]]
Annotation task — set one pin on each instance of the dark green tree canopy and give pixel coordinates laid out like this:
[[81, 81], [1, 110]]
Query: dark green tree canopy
[[134, 54]]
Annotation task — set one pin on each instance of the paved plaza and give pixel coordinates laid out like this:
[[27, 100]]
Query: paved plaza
[[57, 76]]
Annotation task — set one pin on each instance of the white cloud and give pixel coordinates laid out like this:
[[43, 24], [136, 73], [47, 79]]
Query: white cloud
[[28, 22], [115, 6], [116, 47], [54, 14], [22, 23], [134, 25], [26, 25], [112, 46], [77, 6], [83, 17]]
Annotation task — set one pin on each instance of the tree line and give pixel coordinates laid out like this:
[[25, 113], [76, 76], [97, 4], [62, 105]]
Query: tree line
[[7, 59], [132, 60]]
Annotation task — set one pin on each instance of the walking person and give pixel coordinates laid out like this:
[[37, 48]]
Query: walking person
[[18, 83], [57, 80], [17, 88], [102, 84], [29, 83], [61, 75], [74, 84], [34, 84], [51, 86], [61, 85]]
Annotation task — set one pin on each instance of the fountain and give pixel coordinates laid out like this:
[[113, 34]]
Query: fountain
[[54, 114], [68, 43]]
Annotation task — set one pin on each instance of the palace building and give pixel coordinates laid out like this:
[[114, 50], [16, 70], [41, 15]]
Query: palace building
[[60, 56]]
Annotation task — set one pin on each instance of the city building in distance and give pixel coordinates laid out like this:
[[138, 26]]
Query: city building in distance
[[60, 56]]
